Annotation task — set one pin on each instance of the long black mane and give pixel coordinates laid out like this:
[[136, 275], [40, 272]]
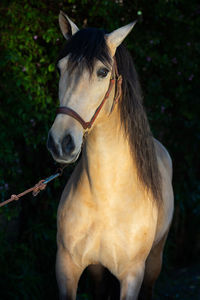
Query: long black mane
[[84, 48]]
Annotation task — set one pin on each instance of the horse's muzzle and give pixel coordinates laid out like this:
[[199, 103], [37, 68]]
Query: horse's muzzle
[[64, 150]]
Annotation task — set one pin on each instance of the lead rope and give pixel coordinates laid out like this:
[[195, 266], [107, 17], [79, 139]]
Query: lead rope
[[41, 185]]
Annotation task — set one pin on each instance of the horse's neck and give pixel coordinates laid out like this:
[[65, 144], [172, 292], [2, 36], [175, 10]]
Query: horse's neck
[[107, 155]]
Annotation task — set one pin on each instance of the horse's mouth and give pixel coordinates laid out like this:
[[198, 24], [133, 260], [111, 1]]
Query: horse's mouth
[[66, 161], [76, 157]]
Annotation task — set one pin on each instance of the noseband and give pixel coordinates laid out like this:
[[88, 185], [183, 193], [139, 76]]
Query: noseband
[[115, 77]]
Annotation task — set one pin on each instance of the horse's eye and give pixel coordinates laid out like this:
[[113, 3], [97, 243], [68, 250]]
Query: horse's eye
[[102, 72]]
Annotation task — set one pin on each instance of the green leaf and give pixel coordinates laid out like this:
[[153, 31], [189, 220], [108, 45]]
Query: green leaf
[[51, 67]]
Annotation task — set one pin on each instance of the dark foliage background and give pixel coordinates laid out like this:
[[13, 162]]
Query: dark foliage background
[[165, 46]]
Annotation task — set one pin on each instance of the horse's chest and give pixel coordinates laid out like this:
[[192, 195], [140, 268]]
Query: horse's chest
[[112, 241]]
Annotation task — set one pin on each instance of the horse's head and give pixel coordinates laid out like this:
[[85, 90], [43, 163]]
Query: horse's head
[[85, 67]]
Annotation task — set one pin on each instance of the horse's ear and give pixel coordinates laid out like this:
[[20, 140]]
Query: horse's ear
[[116, 37], [67, 27]]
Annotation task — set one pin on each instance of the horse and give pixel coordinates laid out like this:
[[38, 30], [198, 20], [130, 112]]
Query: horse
[[116, 209]]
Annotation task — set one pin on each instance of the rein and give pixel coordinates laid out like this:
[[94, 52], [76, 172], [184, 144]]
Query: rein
[[115, 78], [41, 185]]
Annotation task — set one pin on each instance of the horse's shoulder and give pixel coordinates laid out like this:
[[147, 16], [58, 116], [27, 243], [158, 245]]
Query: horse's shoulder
[[163, 156]]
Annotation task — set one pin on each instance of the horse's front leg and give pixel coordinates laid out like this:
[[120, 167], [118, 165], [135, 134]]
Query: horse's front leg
[[67, 274], [131, 282]]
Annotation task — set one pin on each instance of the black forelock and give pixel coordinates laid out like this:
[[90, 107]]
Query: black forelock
[[85, 47]]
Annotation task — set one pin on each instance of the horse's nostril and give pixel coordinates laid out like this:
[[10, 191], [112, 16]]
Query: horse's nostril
[[51, 145], [68, 144]]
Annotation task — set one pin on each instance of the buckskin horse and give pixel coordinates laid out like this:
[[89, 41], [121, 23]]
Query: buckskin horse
[[116, 209]]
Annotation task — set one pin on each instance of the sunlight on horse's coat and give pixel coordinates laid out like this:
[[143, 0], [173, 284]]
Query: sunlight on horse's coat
[[117, 207]]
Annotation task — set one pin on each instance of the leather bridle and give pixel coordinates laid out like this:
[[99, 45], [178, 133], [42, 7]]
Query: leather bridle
[[115, 78]]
